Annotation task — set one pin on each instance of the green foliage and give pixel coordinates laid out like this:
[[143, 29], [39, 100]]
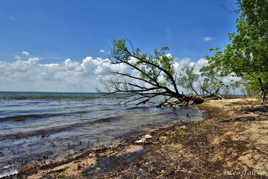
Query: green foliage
[[205, 84], [180, 132], [252, 84], [152, 66], [247, 55], [188, 78], [62, 176], [212, 83]]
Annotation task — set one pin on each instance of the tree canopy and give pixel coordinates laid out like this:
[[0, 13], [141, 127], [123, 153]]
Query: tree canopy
[[247, 54]]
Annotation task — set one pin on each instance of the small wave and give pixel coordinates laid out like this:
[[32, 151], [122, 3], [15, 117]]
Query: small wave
[[9, 173], [56, 96], [28, 116], [40, 116], [46, 97], [139, 107], [45, 132]]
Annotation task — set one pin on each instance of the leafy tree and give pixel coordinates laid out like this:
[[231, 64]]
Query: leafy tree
[[211, 84], [256, 83], [203, 83], [187, 78], [247, 54], [154, 75]]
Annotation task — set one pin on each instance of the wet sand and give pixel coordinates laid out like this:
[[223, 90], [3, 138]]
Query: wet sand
[[231, 142]]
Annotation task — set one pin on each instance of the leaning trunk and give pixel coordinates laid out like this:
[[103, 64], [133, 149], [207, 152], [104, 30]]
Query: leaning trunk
[[263, 92], [193, 99], [264, 96]]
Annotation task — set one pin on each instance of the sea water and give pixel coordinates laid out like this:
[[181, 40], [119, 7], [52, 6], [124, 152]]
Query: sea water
[[37, 127]]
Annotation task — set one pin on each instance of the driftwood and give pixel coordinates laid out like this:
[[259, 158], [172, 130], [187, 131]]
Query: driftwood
[[215, 97], [194, 99], [185, 101]]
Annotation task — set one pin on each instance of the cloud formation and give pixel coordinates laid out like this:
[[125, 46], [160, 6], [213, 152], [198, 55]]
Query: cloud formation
[[207, 38], [17, 57], [73, 76], [26, 53], [67, 76], [101, 51]]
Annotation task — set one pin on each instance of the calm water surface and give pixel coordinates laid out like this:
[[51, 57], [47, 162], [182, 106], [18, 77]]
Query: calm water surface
[[38, 127]]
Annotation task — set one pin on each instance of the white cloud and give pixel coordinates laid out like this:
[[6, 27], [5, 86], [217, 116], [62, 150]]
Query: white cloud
[[69, 75], [102, 51], [207, 38], [17, 57], [26, 53]]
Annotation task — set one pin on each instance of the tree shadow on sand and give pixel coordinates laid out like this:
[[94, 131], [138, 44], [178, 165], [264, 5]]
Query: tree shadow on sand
[[112, 163], [260, 111], [263, 109]]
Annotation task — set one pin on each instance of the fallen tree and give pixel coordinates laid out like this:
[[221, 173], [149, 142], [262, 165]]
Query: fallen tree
[[149, 77], [204, 83]]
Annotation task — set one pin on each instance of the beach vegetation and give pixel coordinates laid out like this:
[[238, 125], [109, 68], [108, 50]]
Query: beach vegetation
[[247, 54], [180, 132], [202, 83]]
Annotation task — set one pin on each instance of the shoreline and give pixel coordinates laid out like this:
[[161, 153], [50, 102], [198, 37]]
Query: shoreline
[[219, 145]]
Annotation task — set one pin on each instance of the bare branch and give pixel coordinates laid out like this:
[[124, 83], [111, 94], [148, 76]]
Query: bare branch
[[147, 85], [159, 67]]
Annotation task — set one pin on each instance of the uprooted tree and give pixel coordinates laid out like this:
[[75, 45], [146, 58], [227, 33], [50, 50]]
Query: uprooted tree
[[151, 76]]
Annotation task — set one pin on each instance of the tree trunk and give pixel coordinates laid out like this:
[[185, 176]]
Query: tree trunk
[[264, 96], [263, 92], [194, 99]]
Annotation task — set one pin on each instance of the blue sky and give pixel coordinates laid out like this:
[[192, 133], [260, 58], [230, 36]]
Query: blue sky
[[54, 30], [78, 28]]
